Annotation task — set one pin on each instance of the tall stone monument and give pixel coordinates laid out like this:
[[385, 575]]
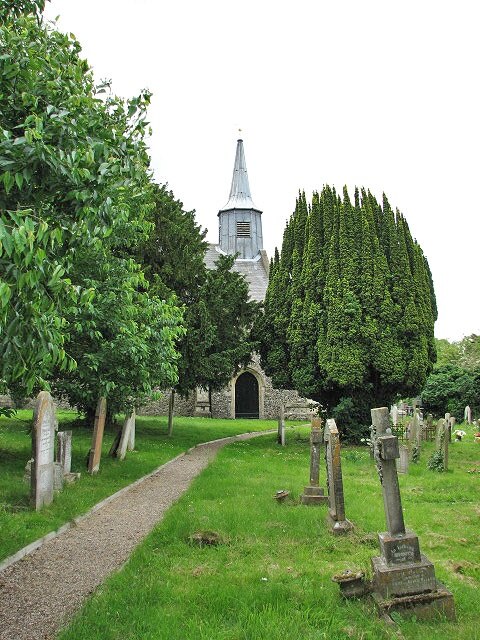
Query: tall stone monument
[[43, 447], [97, 438], [313, 493], [336, 506], [415, 437], [403, 578]]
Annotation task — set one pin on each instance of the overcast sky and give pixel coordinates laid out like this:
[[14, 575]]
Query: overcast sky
[[371, 93]]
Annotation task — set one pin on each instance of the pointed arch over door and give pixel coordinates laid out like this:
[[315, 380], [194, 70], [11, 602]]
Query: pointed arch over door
[[247, 397]]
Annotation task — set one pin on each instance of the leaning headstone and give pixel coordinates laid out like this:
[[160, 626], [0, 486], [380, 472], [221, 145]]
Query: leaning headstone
[[97, 438], [43, 445], [467, 415], [313, 493], [403, 459], [125, 437], [64, 450], [281, 426], [403, 578], [336, 511], [447, 424]]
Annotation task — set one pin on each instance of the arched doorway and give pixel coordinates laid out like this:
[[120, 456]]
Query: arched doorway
[[246, 396]]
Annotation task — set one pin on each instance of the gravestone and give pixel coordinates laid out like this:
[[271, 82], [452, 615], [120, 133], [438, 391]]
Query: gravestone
[[467, 415], [403, 578], [131, 437], [128, 425], [97, 438], [64, 450], [415, 436], [394, 415], [313, 493], [58, 476], [281, 426], [403, 459], [43, 445], [336, 509]]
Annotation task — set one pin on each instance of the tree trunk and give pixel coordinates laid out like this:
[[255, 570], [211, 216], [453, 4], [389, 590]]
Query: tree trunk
[[170, 412]]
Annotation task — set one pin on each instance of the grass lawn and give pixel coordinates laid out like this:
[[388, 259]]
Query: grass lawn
[[271, 579], [20, 525]]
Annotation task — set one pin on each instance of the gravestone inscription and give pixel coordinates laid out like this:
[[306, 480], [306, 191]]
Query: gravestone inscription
[[43, 445]]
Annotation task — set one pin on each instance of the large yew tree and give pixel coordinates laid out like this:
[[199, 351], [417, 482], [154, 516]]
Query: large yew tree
[[350, 307]]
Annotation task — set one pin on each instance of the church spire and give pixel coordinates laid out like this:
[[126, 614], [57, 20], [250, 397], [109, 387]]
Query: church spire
[[240, 197], [240, 222]]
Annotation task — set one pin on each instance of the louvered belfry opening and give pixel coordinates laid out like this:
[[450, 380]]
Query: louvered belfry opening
[[243, 229], [240, 222]]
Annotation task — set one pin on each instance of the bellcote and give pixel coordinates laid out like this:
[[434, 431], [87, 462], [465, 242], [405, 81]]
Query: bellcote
[[240, 222]]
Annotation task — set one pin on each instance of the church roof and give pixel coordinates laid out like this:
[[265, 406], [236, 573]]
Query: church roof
[[240, 197], [254, 271]]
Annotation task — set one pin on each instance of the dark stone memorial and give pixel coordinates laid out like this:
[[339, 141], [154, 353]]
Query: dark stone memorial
[[313, 493], [403, 578], [336, 506]]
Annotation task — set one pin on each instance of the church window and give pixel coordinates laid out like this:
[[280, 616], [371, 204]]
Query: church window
[[243, 229]]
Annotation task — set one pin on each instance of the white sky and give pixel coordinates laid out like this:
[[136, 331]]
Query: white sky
[[378, 94]]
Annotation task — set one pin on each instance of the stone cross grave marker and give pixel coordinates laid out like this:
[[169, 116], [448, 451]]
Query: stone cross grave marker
[[97, 438], [128, 425], [313, 493], [281, 426], [336, 512], [403, 578], [43, 446]]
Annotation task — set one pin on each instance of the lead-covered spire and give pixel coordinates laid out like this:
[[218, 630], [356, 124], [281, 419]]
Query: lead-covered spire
[[240, 197]]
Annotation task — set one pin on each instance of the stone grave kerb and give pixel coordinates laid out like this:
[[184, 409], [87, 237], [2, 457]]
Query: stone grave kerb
[[336, 512]]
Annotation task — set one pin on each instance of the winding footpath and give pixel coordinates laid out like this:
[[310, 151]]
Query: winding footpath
[[40, 593]]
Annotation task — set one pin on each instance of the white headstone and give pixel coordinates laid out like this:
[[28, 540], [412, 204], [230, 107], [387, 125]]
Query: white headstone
[[43, 441]]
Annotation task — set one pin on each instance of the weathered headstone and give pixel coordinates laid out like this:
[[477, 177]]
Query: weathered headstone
[[97, 438], [64, 450], [131, 437], [402, 460], [403, 578], [281, 426], [467, 415], [336, 511], [128, 425], [313, 493], [394, 415], [415, 435], [447, 425], [43, 446], [58, 476]]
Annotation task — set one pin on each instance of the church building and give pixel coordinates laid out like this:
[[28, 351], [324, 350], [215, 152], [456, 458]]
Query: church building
[[250, 393]]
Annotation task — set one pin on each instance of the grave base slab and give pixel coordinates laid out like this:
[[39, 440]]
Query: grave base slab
[[313, 495], [424, 606], [339, 527], [398, 580]]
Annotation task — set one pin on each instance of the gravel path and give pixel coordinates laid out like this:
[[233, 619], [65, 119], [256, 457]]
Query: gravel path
[[40, 593]]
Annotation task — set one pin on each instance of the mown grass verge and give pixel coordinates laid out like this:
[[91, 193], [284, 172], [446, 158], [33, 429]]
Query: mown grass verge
[[20, 525], [271, 577]]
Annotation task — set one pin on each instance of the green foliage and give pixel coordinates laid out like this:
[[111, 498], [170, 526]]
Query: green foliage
[[450, 388], [217, 312], [350, 307], [72, 162], [436, 462]]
